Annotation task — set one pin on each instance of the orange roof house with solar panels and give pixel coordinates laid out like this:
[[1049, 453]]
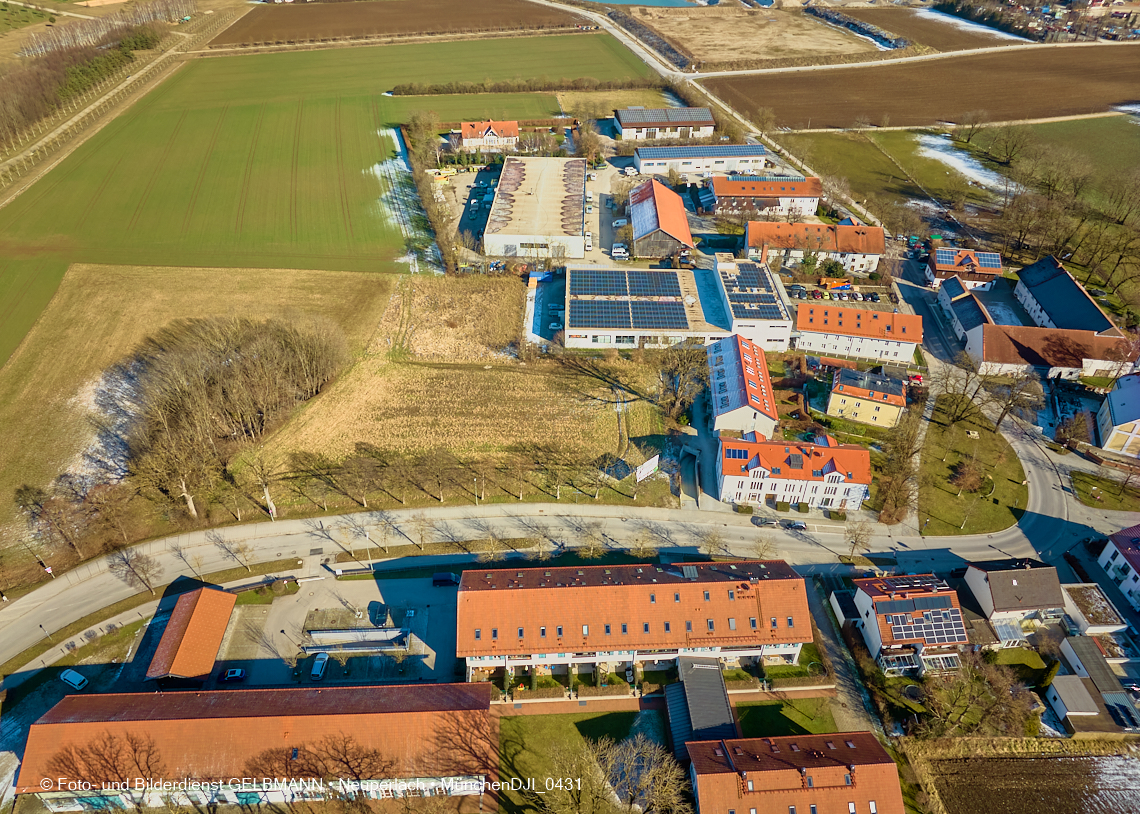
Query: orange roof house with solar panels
[[578, 619], [974, 269], [742, 398], [660, 225], [879, 335], [911, 624], [822, 473], [858, 395], [841, 773], [190, 643], [228, 741], [856, 247]]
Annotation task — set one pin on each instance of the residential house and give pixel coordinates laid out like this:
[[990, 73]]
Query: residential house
[[488, 135], [1016, 595], [1118, 419], [610, 618], [193, 634], [857, 395], [966, 312], [764, 195], [1121, 561], [911, 624], [740, 388], [974, 269], [263, 747], [839, 773], [660, 225], [751, 298], [646, 124], [878, 335], [823, 474], [726, 158], [697, 705], [856, 247], [1051, 353], [1091, 610]]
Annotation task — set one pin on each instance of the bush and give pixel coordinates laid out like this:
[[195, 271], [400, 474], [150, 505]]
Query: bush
[[743, 509], [648, 688], [585, 691], [835, 514], [541, 692], [741, 684], [781, 506], [802, 507], [797, 681]]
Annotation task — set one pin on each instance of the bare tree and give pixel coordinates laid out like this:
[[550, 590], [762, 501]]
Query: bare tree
[[592, 543], [859, 535], [265, 469], [134, 568], [683, 374], [643, 544], [969, 124], [762, 546], [712, 541], [111, 760], [423, 528], [239, 552], [618, 777], [1016, 391]]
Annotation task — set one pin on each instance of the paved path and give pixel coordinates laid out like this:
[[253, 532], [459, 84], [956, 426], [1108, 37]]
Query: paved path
[[852, 708]]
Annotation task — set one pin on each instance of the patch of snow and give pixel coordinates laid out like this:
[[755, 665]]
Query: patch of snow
[[401, 208], [966, 25], [112, 404], [1002, 314], [1117, 781], [942, 149]]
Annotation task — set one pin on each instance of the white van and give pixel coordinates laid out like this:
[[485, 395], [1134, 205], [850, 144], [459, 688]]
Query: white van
[[620, 222], [589, 197], [73, 679], [619, 252]]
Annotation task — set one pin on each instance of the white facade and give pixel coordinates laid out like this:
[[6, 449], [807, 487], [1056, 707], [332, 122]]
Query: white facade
[[863, 347], [851, 261], [1121, 572], [1068, 697], [869, 623], [1118, 419], [698, 163], [740, 388], [970, 285], [534, 247], [831, 489], [1102, 614]]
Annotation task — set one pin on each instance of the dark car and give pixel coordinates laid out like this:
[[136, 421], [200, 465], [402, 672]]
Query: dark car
[[232, 674], [441, 578], [875, 297], [765, 521], [796, 525]]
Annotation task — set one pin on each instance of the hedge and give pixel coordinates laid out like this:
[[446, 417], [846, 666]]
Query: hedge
[[648, 688], [743, 509], [797, 681], [740, 684], [541, 692], [802, 507], [781, 506], [586, 691]]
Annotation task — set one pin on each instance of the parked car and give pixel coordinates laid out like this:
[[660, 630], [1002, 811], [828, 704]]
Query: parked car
[[875, 297], [73, 679], [620, 222], [319, 665], [554, 327], [817, 295], [916, 378], [589, 208], [630, 171], [826, 295], [441, 578], [232, 674], [796, 525], [855, 295], [765, 521], [619, 252]]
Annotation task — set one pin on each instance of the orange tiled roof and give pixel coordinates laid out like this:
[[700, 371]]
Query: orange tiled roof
[[219, 734], [190, 643], [798, 460], [926, 585], [475, 130], [1049, 347], [827, 319], [669, 208], [965, 262], [886, 390], [757, 188], [753, 371], [817, 236], [771, 774], [540, 600]]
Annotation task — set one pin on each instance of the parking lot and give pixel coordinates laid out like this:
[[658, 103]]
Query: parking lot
[[863, 298]]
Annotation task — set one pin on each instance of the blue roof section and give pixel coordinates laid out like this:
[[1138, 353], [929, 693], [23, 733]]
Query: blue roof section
[[953, 288], [727, 151], [968, 312], [1063, 298]]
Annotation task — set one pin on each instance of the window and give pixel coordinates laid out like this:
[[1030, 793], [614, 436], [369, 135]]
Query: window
[[645, 628], [653, 599], [607, 630], [791, 810], [706, 596], [585, 630], [520, 632], [850, 808], [494, 633], [624, 628], [750, 786], [688, 627], [847, 779], [709, 622], [676, 597], [732, 624], [813, 810], [560, 630], [732, 596], [752, 622], [791, 623], [478, 634], [810, 782], [542, 633], [668, 627], [774, 623], [874, 808]]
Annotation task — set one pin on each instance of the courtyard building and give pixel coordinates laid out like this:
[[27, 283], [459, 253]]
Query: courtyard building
[[1118, 419], [565, 621], [857, 247]]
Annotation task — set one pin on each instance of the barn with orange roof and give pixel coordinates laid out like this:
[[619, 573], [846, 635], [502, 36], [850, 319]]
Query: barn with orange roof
[[660, 225]]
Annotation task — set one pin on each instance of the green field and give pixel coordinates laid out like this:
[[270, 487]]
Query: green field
[[13, 17], [260, 161], [1112, 144]]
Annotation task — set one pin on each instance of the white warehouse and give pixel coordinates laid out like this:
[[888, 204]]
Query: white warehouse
[[539, 210], [737, 158]]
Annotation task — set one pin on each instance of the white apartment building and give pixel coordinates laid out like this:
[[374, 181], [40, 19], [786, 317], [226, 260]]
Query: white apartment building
[[823, 474], [864, 334]]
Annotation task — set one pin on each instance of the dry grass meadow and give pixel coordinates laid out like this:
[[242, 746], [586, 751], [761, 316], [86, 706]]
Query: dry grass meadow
[[602, 104], [768, 34], [100, 312]]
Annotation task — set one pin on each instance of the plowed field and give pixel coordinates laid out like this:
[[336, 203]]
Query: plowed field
[[1026, 83], [927, 29], [317, 21]]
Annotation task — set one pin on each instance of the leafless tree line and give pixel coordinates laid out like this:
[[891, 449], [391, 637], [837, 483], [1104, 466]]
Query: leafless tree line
[[96, 31]]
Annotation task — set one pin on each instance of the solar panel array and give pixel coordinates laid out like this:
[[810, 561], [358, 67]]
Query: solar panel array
[[986, 260], [653, 284], [730, 151], [649, 314], [599, 314], [934, 627], [920, 603], [751, 294], [598, 283], [908, 583], [989, 260], [665, 115], [625, 299]]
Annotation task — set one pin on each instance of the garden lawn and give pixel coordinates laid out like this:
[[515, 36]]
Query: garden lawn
[[775, 718], [1027, 664], [982, 511], [1114, 495]]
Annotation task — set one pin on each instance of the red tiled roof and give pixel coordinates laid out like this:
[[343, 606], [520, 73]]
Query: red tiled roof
[[753, 372], [1049, 347], [505, 600], [1127, 542], [190, 643], [965, 262], [777, 769], [846, 386], [827, 319], [756, 188], [220, 734], [816, 237], [670, 209], [476, 130], [851, 461]]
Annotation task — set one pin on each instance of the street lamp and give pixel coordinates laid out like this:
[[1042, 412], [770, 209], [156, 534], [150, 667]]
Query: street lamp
[[44, 629], [475, 489]]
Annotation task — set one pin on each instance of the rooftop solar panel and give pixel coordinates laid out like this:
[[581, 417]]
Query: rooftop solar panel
[[989, 260], [653, 284], [670, 115], [934, 627], [659, 315], [943, 256], [598, 282], [729, 151], [598, 314]]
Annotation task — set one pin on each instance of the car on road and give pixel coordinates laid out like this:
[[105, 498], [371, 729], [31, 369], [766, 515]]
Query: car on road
[[796, 525], [73, 679], [620, 222], [765, 521], [232, 674], [319, 665]]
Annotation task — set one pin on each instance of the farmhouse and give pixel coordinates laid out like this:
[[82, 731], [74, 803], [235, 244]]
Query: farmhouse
[[1120, 559], [751, 297], [646, 124], [632, 308], [973, 269], [866, 397], [1118, 419], [856, 247], [1016, 595], [539, 210], [216, 746], [808, 774], [193, 634], [578, 619], [775, 195], [487, 136], [857, 332], [1053, 299], [911, 624], [742, 398], [660, 225], [820, 474], [1054, 354], [729, 158]]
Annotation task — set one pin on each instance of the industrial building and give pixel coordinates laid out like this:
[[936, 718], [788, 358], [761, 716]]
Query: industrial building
[[647, 124], [539, 210], [660, 225], [731, 158], [754, 302]]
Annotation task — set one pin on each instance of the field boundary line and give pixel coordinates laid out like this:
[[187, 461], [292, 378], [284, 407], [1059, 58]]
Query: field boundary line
[[202, 172], [385, 39], [345, 205], [296, 169], [253, 141], [156, 173], [1047, 120]]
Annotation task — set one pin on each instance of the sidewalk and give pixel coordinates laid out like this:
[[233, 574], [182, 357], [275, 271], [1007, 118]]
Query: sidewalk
[[852, 707]]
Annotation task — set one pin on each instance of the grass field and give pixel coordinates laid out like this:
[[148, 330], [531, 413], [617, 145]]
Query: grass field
[[1110, 143], [1035, 83], [1104, 493], [603, 103], [999, 502], [769, 719], [100, 312], [13, 17]]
